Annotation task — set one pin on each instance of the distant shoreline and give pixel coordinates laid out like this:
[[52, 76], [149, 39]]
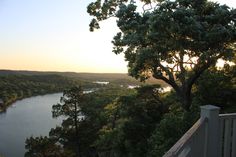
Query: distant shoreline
[[9, 104], [87, 76]]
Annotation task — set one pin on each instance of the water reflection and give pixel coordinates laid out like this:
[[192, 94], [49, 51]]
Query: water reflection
[[27, 117]]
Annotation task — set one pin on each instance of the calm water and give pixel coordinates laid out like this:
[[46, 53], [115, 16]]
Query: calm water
[[25, 118]]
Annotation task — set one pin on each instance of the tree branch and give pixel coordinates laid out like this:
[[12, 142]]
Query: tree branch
[[182, 69], [168, 81], [167, 71], [198, 71]]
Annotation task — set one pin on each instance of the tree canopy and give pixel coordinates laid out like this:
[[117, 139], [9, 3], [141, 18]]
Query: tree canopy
[[174, 41], [139, 122]]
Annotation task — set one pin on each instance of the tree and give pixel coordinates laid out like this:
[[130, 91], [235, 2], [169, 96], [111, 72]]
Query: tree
[[45, 147], [218, 87], [130, 121], [69, 108], [174, 41], [83, 116], [168, 131]]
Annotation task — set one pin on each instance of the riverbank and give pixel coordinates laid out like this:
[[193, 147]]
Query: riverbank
[[17, 87], [28, 117], [12, 101]]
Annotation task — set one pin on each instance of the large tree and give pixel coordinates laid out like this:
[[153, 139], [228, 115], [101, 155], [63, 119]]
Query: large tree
[[174, 41], [68, 133]]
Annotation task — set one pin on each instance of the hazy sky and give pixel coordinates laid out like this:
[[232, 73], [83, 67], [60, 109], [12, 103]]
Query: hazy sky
[[53, 35]]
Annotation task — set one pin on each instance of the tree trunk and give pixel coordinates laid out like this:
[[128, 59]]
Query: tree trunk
[[186, 100], [185, 97], [76, 132]]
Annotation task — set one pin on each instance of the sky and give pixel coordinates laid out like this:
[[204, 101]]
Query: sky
[[53, 35]]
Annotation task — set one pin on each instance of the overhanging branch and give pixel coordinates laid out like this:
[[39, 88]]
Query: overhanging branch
[[168, 81], [167, 71]]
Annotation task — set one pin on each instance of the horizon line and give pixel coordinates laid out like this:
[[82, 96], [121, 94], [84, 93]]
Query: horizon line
[[45, 71]]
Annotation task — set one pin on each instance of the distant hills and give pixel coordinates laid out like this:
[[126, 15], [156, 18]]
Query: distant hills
[[110, 77]]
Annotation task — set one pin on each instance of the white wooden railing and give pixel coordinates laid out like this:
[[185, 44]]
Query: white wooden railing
[[228, 135], [188, 144], [213, 135]]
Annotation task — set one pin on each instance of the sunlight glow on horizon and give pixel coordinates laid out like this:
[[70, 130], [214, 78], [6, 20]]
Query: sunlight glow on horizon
[[54, 36]]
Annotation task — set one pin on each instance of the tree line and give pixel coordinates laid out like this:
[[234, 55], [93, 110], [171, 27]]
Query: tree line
[[15, 87]]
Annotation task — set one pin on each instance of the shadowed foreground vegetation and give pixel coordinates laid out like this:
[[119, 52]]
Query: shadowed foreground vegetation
[[118, 122]]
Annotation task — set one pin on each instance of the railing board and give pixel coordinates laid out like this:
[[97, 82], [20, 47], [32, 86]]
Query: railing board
[[228, 134], [194, 143], [200, 146], [221, 136], [185, 152], [181, 146], [206, 141], [227, 138], [207, 136], [228, 116], [204, 135], [234, 139]]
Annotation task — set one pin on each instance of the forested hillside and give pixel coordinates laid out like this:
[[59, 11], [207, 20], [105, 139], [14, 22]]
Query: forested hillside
[[15, 87], [118, 78]]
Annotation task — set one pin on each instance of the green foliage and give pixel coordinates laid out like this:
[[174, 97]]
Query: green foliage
[[130, 122], [69, 108], [95, 116], [114, 121], [83, 118], [64, 138], [175, 41], [218, 87], [166, 134], [85, 79], [70, 103], [15, 87], [46, 147]]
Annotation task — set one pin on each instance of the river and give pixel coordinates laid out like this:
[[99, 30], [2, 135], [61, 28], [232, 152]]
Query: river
[[25, 118]]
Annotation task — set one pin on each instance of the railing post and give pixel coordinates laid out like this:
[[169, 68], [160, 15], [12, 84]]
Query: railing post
[[212, 140]]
